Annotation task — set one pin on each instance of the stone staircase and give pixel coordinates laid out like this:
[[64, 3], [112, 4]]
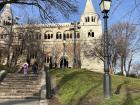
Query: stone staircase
[[20, 86]]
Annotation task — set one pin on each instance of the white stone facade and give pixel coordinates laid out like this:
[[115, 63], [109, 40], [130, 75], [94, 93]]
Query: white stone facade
[[51, 37]]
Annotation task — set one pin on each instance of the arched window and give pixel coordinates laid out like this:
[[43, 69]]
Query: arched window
[[45, 36], [1, 36], [92, 34], [85, 19], [88, 34], [49, 36], [71, 35], [57, 36], [92, 19], [68, 35], [64, 36], [20, 36], [60, 35], [39, 36], [88, 19], [36, 36], [78, 35], [48, 59]]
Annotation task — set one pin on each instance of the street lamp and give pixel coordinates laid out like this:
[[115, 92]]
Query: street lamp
[[74, 43], [64, 47], [105, 7]]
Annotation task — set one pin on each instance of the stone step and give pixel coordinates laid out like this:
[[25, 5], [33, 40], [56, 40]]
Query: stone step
[[20, 85], [16, 88], [32, 78], [19, 94], [18, 91], [20, 97], [22, 75], [21, 82]]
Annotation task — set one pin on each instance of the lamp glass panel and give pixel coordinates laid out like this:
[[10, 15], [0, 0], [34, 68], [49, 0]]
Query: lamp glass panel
[[102, 6], [107, 5]]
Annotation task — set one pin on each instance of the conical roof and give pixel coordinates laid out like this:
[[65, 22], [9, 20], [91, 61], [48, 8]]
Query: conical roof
[[7, 11], [89, 7]]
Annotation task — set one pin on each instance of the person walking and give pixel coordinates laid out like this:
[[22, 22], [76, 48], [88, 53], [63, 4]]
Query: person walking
[[25, 68], [35, 67]]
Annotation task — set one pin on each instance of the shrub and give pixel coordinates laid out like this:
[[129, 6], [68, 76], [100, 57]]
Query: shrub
[[9, 69]]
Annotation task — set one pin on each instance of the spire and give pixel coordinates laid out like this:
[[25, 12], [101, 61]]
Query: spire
[[89, 7], [7, 11]]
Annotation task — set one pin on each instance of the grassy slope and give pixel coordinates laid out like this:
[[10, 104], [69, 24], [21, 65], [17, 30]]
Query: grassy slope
[[81, 87]]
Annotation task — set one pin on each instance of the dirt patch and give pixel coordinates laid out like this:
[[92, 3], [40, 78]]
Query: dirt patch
[[53, 101]]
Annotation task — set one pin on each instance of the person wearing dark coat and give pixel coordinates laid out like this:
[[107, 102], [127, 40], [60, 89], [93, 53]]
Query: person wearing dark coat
[[34, 68]]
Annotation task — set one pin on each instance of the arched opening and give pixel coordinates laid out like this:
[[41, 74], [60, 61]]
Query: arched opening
[[88, 19], [64, 62]]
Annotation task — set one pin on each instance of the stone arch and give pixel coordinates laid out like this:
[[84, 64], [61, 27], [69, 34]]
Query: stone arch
[[38, 35], [63, 62], [58, 35], [88, 19], [90, 33], [48, 34], [66, 34], [85, 19]]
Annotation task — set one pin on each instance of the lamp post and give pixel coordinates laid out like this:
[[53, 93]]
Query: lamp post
[[64, 47], [74, 43], [105, 7]]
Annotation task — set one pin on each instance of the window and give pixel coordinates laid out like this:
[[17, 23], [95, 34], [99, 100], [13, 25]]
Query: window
[[48, 59], [39, 36], [85, 19], [68, 35], [92, 34], [78, 35], [88, 34], [60, 36], [64, 36], [88, 20], [45, 36], [1, 36], [71, 35], [92, 19], [57, 36], [51, 35]]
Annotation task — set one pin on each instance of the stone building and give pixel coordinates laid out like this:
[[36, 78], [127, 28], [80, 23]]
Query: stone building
[[61, 43]]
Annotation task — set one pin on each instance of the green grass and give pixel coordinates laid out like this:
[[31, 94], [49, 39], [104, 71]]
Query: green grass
[[82, 87]]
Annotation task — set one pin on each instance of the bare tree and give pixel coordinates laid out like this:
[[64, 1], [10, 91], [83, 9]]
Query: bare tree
[[125, 43], [27, 44], [66, 7]]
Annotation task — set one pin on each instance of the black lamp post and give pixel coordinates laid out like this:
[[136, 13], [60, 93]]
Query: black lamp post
[[75, 65], [105, 7], [64, 47]]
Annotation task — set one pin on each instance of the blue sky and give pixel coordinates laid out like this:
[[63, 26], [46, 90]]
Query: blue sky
[[116, 14]]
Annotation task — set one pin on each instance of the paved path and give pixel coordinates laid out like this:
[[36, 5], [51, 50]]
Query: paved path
[[19, 102]]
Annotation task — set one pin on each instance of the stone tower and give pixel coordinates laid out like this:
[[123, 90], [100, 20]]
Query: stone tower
[[91, 30], [6, 16]]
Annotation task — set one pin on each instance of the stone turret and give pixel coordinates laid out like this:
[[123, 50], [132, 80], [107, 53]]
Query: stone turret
[[6, 15], [90, 22], [91, 29]]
